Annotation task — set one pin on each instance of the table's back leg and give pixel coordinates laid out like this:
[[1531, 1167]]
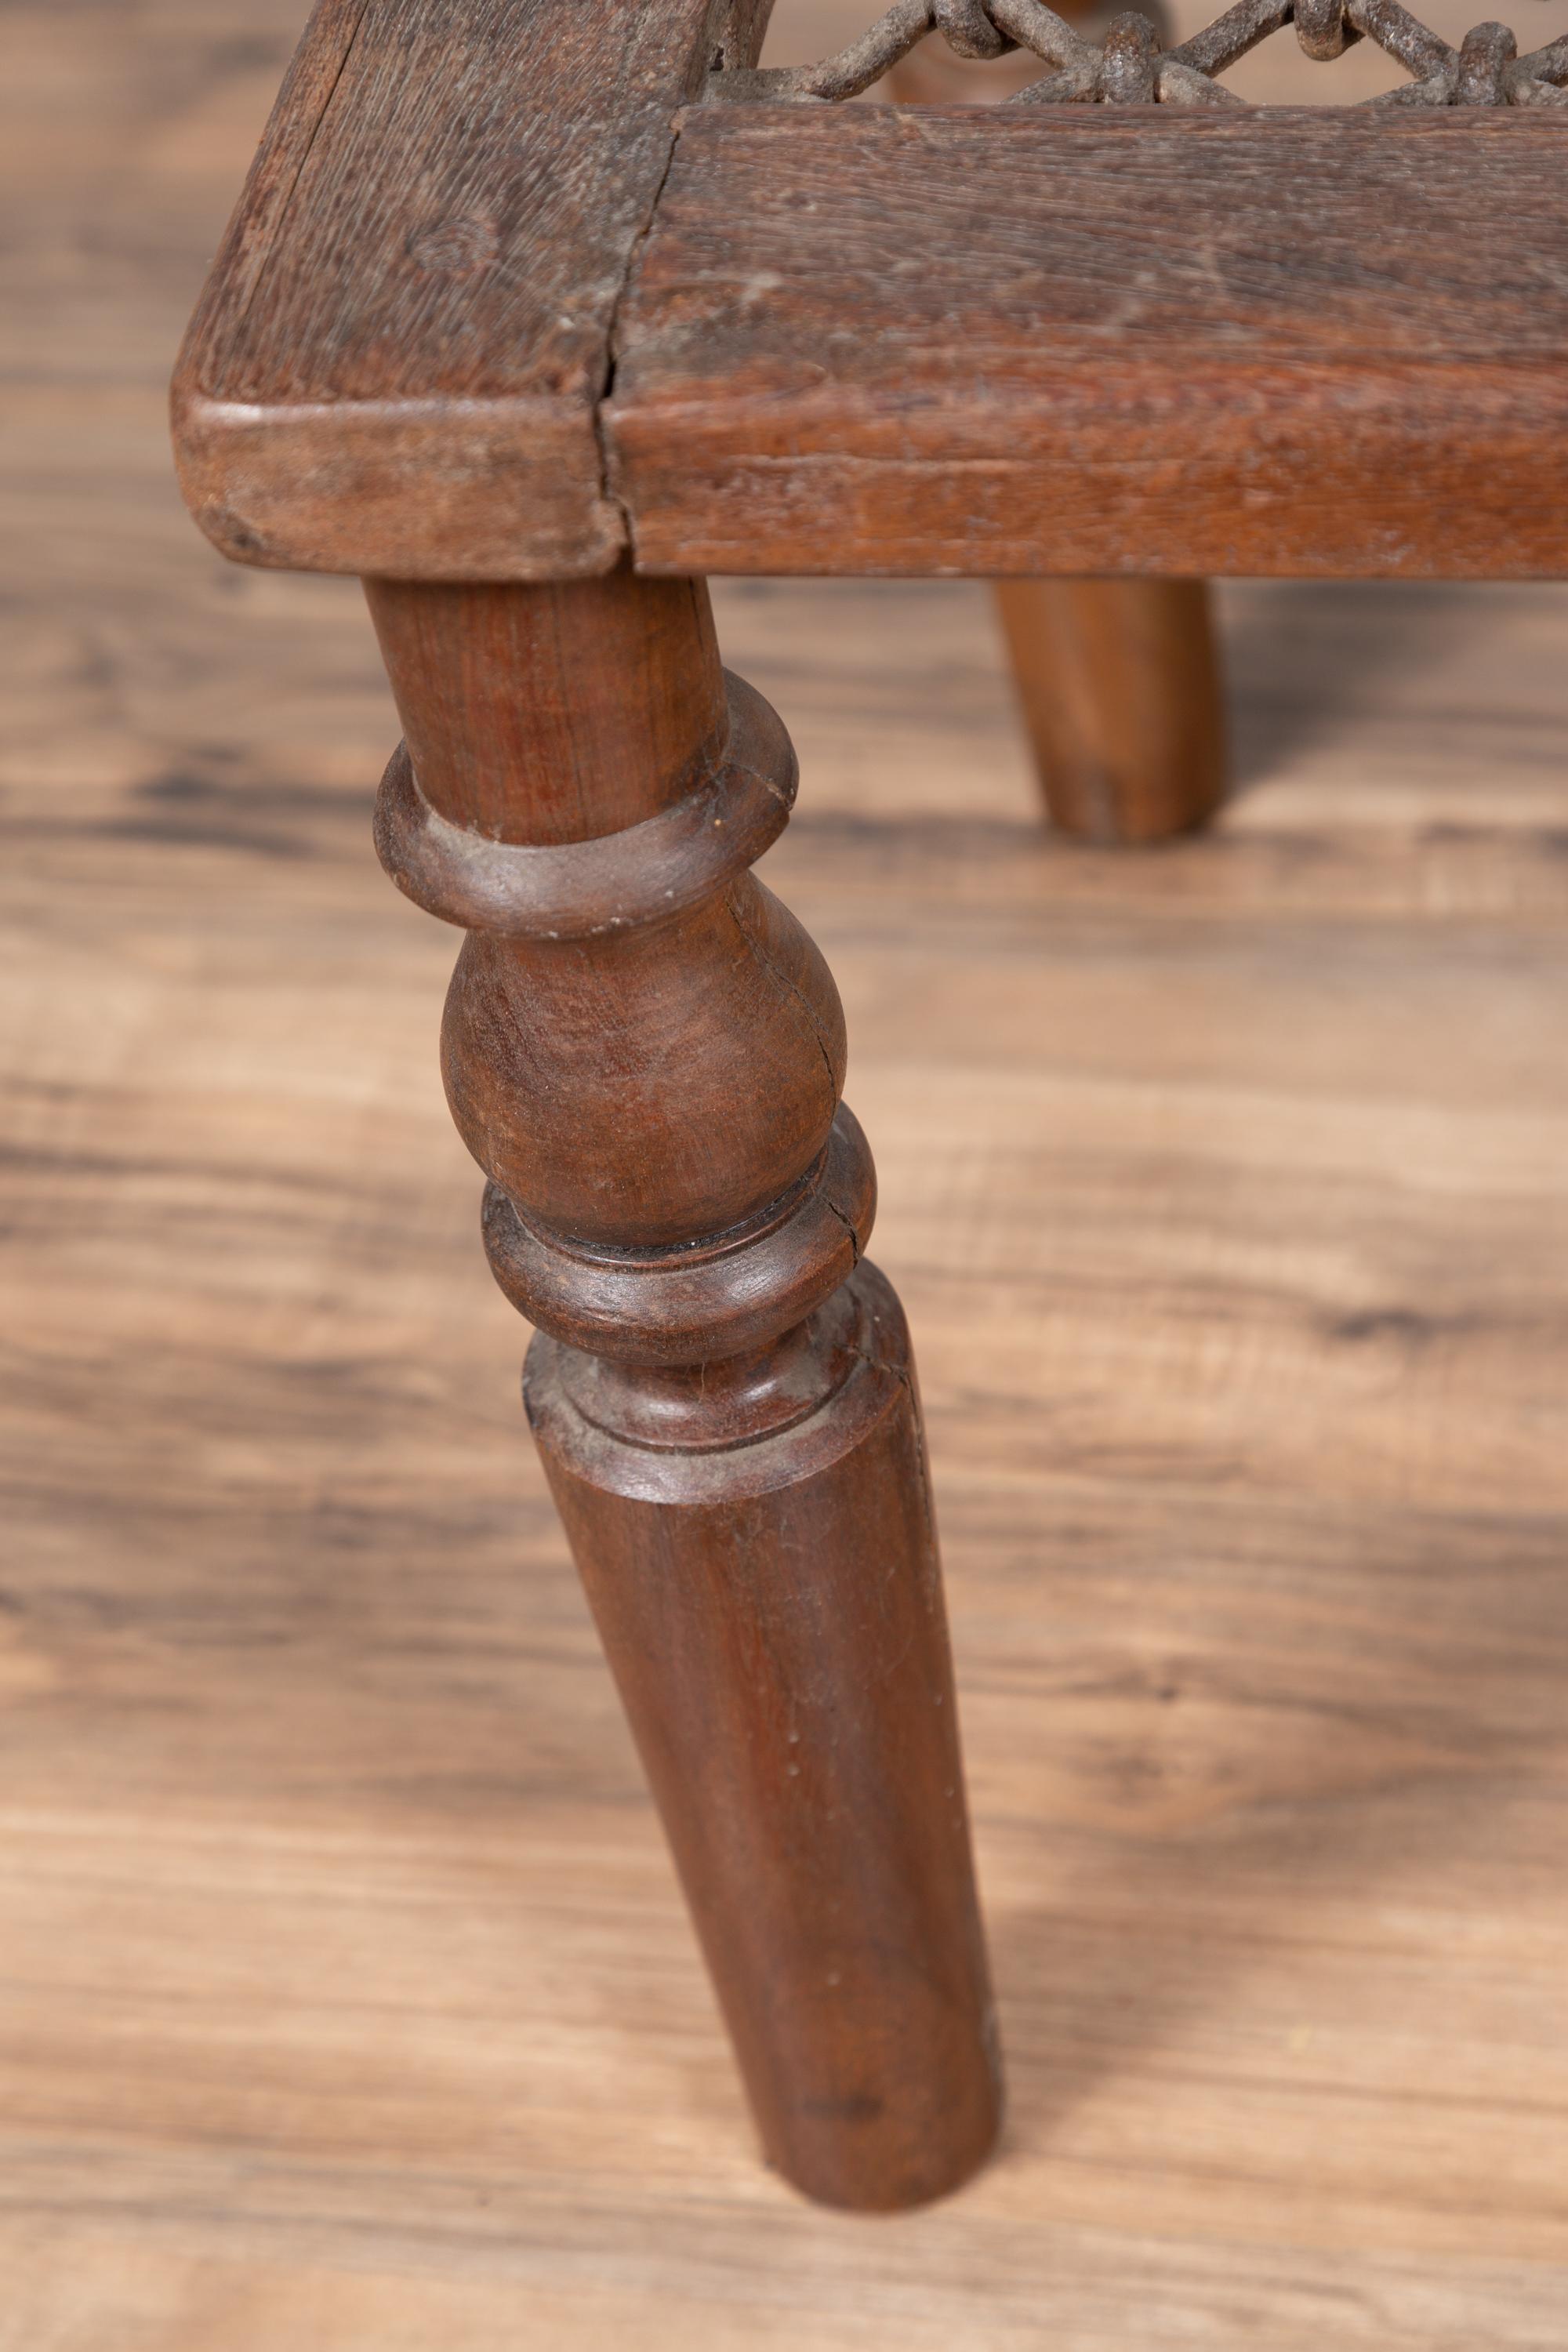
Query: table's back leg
[[644, 1051], [1117, 680], [1119, 686]]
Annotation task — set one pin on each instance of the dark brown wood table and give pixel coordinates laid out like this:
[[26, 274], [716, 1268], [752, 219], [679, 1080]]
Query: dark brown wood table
[[532, 317]]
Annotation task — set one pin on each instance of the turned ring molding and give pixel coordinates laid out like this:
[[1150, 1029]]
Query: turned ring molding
[[583, 890], [737, 1290]]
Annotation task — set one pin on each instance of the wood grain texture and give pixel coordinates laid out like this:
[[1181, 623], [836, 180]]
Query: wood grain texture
[[759, 1555], [471, 741], [889, 340], [1119, 683], [346, 1996], [1118, 680], [1119, 340], [395, 364]]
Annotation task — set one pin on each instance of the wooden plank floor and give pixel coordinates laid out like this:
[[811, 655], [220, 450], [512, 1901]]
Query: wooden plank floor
[[345, 2000]]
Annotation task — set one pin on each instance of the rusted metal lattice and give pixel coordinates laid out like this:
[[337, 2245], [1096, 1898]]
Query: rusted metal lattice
[[1130, 69]]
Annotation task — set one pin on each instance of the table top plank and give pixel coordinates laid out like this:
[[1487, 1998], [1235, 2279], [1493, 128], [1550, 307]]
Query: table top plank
[[930, 340], [397, 361], [486, 254]]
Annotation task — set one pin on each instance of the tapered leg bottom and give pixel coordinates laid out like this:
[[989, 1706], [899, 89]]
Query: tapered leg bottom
[[1119, 682], [757, 1545]]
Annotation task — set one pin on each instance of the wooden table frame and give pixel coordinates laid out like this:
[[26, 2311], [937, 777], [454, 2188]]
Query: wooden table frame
[[510, 325]]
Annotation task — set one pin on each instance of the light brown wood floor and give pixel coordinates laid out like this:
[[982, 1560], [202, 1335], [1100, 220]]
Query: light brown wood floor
[[345, 2000]]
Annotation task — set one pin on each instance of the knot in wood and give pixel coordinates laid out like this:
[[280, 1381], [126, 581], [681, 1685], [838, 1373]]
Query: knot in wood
[[457, 247]]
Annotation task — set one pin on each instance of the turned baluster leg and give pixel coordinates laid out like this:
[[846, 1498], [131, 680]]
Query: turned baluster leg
[[1119, 684], [644, 1051]]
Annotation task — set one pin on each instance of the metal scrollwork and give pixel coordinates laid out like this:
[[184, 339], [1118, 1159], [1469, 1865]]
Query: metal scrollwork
[[1130, 67]]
